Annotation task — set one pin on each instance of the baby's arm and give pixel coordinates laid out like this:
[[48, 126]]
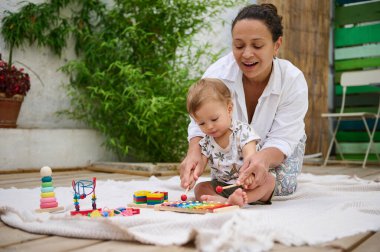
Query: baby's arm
[[249, 149]]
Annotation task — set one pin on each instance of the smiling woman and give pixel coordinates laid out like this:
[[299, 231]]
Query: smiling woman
[[253, 49], [269, 94]]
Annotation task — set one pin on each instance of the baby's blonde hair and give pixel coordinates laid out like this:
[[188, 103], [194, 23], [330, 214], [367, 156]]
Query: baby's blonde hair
[[207, 89]]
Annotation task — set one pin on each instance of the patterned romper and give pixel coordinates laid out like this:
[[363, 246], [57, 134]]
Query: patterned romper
[[226, 163]]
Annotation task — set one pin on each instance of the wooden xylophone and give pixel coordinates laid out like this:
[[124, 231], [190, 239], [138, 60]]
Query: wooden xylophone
[[195, 207]]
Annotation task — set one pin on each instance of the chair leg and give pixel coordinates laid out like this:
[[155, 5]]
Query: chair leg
[[331, 143], [338, 149], [371, 136]]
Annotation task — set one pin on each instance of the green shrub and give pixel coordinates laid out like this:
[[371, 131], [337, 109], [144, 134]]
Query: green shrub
[[135, 63]]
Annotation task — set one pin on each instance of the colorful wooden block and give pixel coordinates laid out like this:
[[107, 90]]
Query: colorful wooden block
[[139, 197], [149, 198], [165, 195], [155, 198]]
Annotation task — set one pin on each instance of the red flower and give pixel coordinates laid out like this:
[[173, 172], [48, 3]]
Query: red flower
[[13, 81]]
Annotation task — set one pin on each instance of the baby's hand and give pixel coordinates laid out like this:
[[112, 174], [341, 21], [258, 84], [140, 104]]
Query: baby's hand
[[249, 182]]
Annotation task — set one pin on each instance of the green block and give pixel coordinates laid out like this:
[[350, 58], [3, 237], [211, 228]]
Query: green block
[[47, 184]]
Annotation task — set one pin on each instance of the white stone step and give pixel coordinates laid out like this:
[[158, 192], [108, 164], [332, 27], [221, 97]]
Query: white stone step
[[57, 148]]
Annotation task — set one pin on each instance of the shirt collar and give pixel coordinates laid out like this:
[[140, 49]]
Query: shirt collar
[[274, 83], [234, 72]]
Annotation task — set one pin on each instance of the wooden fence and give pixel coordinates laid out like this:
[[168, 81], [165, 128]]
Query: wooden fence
[[306, 44]]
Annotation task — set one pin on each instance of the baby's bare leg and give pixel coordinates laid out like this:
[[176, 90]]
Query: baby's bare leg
[[263, 192], [205, 192]]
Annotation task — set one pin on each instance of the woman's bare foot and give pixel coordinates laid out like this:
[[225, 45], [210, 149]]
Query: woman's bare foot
[[239, 197], [215, 198]]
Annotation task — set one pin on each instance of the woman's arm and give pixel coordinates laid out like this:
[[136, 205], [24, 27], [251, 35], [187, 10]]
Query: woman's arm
[[248, 150], [287, 128], [193, 165], [258, 164]]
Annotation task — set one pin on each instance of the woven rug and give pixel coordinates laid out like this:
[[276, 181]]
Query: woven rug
[[324, 208]]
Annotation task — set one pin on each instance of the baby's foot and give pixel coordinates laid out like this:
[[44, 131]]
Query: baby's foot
[[215, 198], [239, 197]]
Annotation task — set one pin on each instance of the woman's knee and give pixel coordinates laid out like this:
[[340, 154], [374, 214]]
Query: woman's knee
[[286, 186]]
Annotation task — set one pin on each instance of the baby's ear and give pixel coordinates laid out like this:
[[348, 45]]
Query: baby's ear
[[230, 106]]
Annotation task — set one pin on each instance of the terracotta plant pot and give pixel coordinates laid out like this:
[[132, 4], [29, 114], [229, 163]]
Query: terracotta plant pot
[[9, 110]]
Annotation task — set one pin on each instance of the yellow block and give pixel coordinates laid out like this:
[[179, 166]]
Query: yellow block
[[141, 193], [48, 195], [95, 213], [155, 195]]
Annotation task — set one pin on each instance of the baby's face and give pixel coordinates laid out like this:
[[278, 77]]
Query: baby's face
[[214, 118]]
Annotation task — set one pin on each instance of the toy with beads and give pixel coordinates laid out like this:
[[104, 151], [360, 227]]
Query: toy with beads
[[48, 202], [195, 207], [83, 188]]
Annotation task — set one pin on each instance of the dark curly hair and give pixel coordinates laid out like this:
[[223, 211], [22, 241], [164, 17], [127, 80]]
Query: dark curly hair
[[265, 12]]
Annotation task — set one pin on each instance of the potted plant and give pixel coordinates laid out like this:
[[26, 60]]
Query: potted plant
[[14, 84]]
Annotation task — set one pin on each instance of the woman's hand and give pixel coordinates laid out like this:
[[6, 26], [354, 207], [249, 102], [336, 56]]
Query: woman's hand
[[258, 164], [249, 183], [193, 165]]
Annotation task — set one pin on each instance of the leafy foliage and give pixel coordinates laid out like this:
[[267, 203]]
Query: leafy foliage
[[136, 62]]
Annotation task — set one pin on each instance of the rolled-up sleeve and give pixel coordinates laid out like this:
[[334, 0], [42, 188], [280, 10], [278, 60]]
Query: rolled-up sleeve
[[288, 125], [193, 130]]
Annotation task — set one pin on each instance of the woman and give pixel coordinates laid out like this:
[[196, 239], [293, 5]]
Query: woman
[[270, 94]]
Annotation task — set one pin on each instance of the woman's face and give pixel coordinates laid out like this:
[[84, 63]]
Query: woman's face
[[254, 49]]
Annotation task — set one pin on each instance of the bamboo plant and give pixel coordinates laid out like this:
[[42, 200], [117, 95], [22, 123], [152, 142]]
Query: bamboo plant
[[136, 60]]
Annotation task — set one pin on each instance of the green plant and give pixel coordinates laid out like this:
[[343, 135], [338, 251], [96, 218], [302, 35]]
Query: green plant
[[135, 63]]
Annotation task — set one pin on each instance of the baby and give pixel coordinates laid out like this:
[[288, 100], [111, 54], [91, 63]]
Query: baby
[[226, 143]]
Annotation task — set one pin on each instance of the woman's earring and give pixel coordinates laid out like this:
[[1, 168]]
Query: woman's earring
[[274, 56]]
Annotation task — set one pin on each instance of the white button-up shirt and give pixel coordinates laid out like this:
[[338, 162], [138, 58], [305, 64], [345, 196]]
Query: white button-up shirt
[[279, 115]]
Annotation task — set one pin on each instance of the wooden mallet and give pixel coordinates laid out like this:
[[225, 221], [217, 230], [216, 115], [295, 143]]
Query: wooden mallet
[[220, 189], [184, 196]]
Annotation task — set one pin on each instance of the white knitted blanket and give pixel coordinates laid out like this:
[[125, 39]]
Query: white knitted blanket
[[324, 208]]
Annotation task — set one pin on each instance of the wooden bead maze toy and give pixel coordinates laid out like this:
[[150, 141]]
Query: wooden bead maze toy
[[80, 188], [195, 207]]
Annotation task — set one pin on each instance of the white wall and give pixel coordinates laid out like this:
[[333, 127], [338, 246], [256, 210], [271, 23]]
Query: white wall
[[57, 148], [44, 100], [50, 143]]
